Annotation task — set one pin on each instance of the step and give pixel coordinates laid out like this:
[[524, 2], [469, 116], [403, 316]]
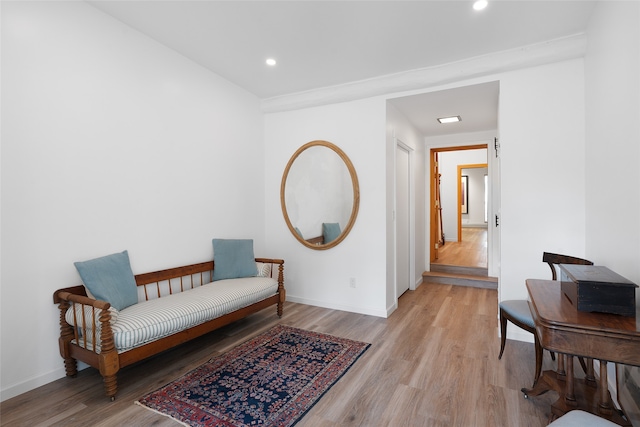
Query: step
[[459, 269], [470, 280]]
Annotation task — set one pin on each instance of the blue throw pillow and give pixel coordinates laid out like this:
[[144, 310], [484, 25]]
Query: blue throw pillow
[[330, 231], [233, 258], [110, 279]]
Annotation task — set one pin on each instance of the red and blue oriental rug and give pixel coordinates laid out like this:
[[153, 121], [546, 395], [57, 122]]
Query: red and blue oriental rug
[[270, 380]]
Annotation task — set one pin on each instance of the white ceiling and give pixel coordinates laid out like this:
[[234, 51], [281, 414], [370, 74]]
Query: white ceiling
[[327, 43], [477, 105]]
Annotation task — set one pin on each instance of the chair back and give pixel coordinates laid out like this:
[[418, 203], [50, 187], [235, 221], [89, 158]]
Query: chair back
[[554, 259]]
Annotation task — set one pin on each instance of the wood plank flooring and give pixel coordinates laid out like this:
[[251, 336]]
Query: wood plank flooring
[[433, 362], [470, 252]]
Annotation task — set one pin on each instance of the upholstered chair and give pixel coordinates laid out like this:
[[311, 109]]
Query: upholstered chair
[[579, 418], [518, 312]]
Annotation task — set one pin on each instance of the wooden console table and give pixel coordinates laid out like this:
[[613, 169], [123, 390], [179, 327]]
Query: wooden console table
[[565, 330]]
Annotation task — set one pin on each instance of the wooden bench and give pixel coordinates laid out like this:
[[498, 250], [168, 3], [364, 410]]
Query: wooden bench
[[91, 340]]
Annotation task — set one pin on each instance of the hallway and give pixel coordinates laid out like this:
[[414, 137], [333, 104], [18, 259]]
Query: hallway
[[471, 252]]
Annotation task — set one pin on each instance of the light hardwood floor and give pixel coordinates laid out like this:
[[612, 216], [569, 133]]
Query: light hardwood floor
[[433, 362], [470, 252]]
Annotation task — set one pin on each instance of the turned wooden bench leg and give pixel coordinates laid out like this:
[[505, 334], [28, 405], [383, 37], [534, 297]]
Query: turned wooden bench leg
[[71, 367], [281, 290], [66, 336], [109, 361], [111, 386]]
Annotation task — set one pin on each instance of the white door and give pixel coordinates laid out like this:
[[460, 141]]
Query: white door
[[403, 219]]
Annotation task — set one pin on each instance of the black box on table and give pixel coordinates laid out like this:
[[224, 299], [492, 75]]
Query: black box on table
[[597, 289]]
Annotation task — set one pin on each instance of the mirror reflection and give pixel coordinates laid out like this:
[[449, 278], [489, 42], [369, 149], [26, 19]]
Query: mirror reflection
[[319, 195]]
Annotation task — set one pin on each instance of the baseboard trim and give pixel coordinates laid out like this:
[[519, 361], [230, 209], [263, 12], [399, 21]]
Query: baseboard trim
[[32, 383], [324, 304]]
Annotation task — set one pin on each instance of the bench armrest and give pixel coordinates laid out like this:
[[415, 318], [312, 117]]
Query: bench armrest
[[92, 321]]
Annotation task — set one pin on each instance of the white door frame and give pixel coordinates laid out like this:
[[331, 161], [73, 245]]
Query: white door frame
[[399, 145], [493, 234]]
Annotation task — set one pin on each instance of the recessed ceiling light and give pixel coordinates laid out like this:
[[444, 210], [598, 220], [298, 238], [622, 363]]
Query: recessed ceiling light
[[271, 62], [480, 4], [451, 119]]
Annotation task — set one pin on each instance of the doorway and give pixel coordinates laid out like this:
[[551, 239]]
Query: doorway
[[451, 243], [403, 218], [417, 114]]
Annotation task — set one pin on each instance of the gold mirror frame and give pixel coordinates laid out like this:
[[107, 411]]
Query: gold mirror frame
[[356, 195]]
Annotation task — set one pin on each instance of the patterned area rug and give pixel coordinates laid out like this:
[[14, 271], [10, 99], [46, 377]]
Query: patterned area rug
[[270, 380]]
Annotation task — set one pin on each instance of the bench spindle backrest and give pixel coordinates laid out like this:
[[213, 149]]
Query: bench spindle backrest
[[166, 282]]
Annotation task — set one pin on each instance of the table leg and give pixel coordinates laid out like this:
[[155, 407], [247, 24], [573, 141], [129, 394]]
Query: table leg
[[604, 404], [569, 393], [576, 393], [549, 381], [560, 371], [590, 377]]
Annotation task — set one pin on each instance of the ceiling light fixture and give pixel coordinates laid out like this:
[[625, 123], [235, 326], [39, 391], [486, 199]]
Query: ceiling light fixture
[[451, 119], [271, 62], [480, 4]]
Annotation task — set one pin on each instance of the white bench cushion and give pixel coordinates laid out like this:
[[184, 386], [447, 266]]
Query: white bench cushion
[[151, 320]]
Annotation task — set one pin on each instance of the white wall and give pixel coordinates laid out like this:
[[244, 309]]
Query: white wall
[[612, 70], [322, 278], [400, 129], [542, 134], [475, 216], [613, 138], [110, 141]]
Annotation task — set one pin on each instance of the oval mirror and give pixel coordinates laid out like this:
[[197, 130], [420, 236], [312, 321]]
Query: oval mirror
[[319, 195]]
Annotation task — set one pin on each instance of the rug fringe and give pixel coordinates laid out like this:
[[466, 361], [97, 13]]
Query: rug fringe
[[160, 413]]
